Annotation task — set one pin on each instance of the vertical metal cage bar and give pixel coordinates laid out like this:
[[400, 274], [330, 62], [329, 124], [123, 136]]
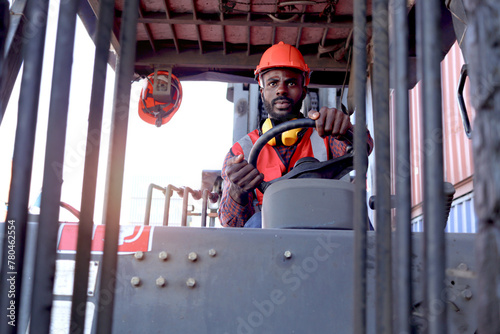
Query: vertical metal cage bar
[[13, 49], [114, 182], [204, 207], [185, 201], [433, 173], [419, 45], [382, 166], [49, 215], [360, 166], [45, 260], [28, 273], [4, 28], [17, 215], [168, 197], [149, 199], [85, 227], [402, 166], [482, 39]]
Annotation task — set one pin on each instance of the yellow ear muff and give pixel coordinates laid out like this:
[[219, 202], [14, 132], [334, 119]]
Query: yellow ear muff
[[288, 138], [268, 125]]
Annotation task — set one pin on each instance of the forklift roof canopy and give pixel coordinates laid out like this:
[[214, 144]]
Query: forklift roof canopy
[[222, 40]]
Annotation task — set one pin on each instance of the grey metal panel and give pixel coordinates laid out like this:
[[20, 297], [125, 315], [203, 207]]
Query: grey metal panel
[[241, 111], [233, 291], [250, 286], [317, 203]]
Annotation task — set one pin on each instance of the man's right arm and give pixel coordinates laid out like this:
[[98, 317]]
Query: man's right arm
[[240, 179]]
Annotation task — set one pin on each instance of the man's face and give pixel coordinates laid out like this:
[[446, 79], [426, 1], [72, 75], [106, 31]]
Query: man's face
[[283, 93]]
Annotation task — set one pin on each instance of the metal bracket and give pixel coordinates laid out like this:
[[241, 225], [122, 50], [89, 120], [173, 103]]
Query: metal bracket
[[461, 102]]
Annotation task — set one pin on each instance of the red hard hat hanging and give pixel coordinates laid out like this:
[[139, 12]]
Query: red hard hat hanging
[[161, 97]]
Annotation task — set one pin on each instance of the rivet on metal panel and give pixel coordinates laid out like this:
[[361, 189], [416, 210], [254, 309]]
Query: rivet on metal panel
[[135, 281], [212, 252], [163, 256], [462, 266], [161, 282], [288, 254], [191, 282], [192, 256], [467, 294], [139, 255]]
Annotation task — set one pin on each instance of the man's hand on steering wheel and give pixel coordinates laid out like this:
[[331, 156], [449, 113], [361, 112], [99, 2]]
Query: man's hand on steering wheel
[[244, 178], [330, 121]]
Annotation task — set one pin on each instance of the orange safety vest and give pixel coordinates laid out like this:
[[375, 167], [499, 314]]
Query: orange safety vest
[[269, 163]]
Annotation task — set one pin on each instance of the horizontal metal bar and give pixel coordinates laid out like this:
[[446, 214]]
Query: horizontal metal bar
[[241, 20], [216, 59]]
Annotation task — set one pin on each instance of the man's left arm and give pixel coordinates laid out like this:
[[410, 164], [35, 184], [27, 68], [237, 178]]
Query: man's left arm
[[333, 122]]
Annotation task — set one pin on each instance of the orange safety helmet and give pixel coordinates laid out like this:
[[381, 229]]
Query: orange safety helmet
[[282, 55], [157, 106]]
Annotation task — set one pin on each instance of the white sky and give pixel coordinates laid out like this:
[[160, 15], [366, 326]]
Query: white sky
[[197, 137]]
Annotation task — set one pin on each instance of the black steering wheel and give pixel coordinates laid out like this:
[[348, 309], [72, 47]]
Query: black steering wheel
[[306, 167]]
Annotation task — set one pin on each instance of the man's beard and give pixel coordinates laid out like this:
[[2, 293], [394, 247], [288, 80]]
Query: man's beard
[[295, 113]]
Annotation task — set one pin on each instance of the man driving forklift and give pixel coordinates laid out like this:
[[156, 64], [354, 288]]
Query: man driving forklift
[[283, 77]]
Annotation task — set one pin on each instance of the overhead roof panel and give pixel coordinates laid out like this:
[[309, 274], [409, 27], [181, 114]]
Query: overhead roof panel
[[228, 36]]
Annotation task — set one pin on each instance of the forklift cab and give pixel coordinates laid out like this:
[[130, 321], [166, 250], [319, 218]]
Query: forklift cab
[[306, 271]]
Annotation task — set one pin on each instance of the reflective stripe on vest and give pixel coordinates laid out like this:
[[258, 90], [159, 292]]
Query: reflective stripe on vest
[[319, 146]]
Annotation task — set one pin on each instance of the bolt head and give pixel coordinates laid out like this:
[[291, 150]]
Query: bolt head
[[160, 281], [163, 256], [212, 252], [135, 281], [192, 256], [467, 294], [191, 282], [288, 254], [139, 255], [462, 266]]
